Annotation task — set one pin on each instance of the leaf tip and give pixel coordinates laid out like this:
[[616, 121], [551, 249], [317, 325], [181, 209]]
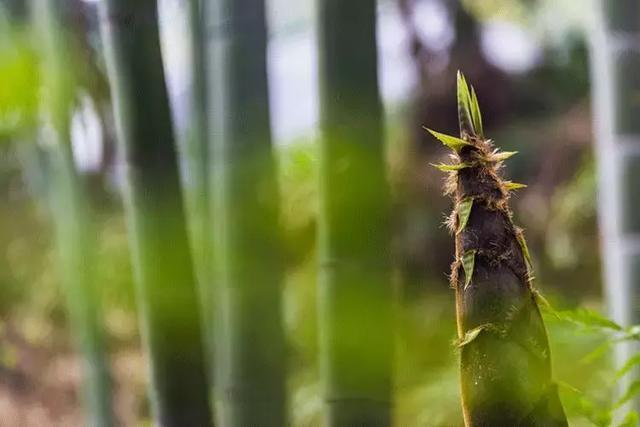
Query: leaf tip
[[452, 142], [469, 115], [510, 186]]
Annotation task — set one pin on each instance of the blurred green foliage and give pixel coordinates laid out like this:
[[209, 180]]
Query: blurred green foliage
[[19, 82]]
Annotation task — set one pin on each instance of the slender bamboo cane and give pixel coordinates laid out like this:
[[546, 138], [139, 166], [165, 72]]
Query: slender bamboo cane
[[251, 365], [616, 81], [74, 233], [75, 239], [164, 277], [355, 293], [197, 175], [505, 362]]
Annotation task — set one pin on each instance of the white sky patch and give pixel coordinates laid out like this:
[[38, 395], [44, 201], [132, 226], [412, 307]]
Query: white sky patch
[[176, 55], [510, 46], [292, 73], [433, 24], [86, 137], [397, 75], [555, 19]]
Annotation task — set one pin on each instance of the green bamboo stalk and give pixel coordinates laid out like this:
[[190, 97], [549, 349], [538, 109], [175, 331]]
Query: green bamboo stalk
[[355, 293], [74, 232], [197, 175], [75, 242], [505, 362], [165, 282], [616, 106], [249, 267]]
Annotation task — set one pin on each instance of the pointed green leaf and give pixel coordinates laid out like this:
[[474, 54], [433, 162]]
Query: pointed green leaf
[[471, 335], [464, 107], [597, 353], [468, 263], [631, 333], [503, 155], [452, 142], [464, 211], [628, 366], [450, 168], [567, 386], [476, 115], [513, 185], [631, 392], [589, 319]]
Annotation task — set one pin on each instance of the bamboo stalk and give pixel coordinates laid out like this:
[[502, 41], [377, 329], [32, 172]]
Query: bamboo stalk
[[75, 240], [505, 361], [74, 232], [355, 293], [165, 282], [196, 176], [251, 359], [616, 105]]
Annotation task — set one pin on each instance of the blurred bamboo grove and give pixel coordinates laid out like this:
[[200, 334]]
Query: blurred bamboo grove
[[224, 211], [616, 64]]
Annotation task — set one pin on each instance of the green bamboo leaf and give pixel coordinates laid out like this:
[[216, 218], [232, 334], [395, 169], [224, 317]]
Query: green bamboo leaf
[[631, 392], [567, 386], [464, 211], [630, 420], [464, 106], [599, 352], [452, 142], [468, 263], [577, 402], [628, 366], [451, 168], [513, 185], [632, 333], [476, 115], [588, 318], [503, 155], [471, 335]]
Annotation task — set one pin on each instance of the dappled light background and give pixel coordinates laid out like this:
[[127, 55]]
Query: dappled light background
[[529, 62]]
